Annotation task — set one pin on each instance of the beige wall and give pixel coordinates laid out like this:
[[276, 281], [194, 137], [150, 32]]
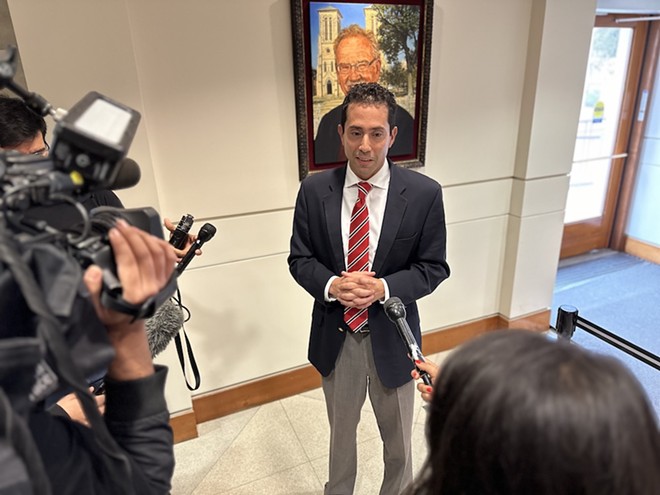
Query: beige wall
[[214, 83]]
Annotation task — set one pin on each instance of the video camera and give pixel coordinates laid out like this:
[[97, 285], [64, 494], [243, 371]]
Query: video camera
[[41, 266]]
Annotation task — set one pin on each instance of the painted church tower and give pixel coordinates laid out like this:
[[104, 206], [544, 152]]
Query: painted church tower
[[326, 75]]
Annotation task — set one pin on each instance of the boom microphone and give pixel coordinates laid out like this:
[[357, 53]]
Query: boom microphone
[[205, 234], [396, 312], [128, 175], [163, 326]]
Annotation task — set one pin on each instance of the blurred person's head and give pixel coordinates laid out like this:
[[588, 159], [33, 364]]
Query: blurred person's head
[[367, 129], [21, 129], [515, 413], [357, 57]]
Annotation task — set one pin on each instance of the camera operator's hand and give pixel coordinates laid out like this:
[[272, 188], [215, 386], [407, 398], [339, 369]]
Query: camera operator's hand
[[144, 266], [71, 406], [180, 253]]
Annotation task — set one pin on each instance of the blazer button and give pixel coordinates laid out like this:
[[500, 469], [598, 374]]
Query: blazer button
[[340, 329]]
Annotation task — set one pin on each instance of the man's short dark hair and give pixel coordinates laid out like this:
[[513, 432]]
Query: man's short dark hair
[[371, 94], [18, 123]]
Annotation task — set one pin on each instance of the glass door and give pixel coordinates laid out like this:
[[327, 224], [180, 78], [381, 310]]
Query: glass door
[[601, 144]]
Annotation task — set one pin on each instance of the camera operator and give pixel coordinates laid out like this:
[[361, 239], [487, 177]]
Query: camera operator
[[136, 412], [24, 131]]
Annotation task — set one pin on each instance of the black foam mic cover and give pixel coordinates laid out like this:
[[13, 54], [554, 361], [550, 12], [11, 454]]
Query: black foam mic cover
[[128, 175], [205, 234], [396, 312]]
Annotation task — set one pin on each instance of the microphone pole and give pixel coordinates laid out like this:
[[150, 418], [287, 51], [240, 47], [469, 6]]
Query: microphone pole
[[396, 312], [205, 234]]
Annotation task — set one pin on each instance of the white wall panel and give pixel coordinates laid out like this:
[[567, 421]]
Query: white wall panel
[[475, 252], [537, 196], [245, 237], [478, 62], [249, 319], [550, 119], [478, 200], [175, 389], [217, 81], [530, 264]]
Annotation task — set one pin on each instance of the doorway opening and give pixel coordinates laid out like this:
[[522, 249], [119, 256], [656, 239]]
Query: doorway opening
[[620, 75]]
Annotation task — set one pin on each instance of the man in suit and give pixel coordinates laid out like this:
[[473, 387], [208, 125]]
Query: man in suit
[[357, 60], [351, 262]]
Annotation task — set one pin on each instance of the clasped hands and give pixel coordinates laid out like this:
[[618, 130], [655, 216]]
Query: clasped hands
[[357, 289]]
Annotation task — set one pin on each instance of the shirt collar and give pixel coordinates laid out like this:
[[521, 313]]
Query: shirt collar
[[380, 180]]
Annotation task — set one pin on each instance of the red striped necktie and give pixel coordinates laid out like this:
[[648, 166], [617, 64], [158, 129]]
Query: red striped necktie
[[358, 252]]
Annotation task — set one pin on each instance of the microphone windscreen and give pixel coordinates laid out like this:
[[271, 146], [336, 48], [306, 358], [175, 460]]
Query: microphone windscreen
[[206, 233], [163, 326], [128, 176], [394, 308]]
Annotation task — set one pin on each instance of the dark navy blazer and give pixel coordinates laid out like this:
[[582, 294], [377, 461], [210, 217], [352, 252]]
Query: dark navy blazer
[[410, 256]]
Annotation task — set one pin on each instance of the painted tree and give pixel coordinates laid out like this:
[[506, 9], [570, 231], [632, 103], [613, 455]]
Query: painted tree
[[395, 77], [398, 35]]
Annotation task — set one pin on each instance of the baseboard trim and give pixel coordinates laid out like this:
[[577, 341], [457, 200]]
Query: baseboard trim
[[255, 392], [184, 425], [243, 396], [538, 321], [447, 338], [643, 250]]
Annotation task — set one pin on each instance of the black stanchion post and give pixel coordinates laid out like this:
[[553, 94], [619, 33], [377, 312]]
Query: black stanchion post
[[567, 317]]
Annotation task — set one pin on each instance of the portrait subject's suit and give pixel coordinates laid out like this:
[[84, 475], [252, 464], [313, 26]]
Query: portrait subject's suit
[[328, 147], [410, 256]]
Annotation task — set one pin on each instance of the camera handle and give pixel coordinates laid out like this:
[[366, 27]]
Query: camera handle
[[111, 297]]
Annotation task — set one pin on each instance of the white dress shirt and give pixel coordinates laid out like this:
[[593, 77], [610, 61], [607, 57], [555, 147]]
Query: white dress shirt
[[376, 201]]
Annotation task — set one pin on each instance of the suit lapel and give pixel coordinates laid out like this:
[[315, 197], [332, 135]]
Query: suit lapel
[[332, 209], [394, 209]]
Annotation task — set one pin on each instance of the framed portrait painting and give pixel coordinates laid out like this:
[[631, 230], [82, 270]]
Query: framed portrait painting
[[342, 43]]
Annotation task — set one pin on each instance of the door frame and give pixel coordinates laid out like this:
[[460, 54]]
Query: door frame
[[647, 80], [594, 233]]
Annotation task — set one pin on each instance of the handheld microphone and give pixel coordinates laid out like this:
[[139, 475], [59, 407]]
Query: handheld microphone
[[180, 234], [396, 312], [205, 234]]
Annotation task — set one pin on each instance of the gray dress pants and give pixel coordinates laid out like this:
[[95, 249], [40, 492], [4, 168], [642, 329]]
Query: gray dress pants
[[345, 391]]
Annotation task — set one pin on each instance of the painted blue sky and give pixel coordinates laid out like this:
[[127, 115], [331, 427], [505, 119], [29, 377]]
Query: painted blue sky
[[352, 13]]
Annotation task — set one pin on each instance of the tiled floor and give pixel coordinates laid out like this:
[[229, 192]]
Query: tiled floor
[[281, 448]]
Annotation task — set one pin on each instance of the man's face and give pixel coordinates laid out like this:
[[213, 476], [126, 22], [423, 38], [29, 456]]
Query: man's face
[[350, 52], [34, 146], [366, 138]]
